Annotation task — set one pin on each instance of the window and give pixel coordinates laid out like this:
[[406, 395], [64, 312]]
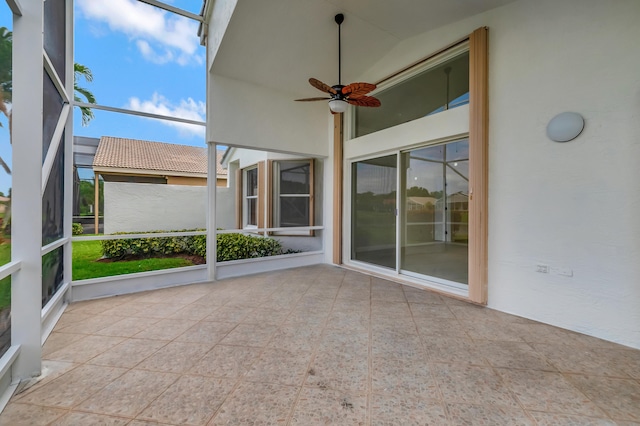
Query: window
[[251, 198], [442, 86], [292, 187], [284, 195]]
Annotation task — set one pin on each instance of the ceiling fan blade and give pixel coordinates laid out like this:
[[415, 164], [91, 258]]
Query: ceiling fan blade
[[311, 99], [322, 86], [357, 90], [366, 101]]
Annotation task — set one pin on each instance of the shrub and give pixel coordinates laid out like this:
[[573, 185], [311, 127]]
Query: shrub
[[229, 246], [240, 246], [77, 229]]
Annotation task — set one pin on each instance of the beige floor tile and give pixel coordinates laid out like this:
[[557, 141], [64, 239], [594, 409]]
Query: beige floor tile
[[233, 314], [70, 318], [226, 361], [166, 329], [194, 311], [620, 398], [514, 355], [73, 387], [406, 346], [257, 404], [130, 394], [84, 349], [384, 309], [263, 315], [206, 332], [491, 331], [129, 353], [453, 349], [439, 327], [549, 392], [76, 418], [344, 372], [191, 400], [344, 340], [50, 370], [159, 310], [582, 360], [317, 406], [91, 325], [175, 357], [344, 320], [469, 312], [470, 384], [431, 310], [280, 367], [404, 378], [485, 415], [250, 335], [551, 419], [296, 338], [127, 327], [320, 345], [57, 341], [415, 295], [390, 292], [393, 410], [17, 414]]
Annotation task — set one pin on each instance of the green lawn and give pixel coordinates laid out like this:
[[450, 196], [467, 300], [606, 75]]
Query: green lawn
[[5, 284], [86, 253], [85, 265]]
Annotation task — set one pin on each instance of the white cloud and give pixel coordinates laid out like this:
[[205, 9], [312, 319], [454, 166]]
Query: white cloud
[[186, 108], [160, 36]]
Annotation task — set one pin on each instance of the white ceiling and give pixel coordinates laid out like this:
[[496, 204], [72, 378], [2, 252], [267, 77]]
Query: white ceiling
[[281, 43]]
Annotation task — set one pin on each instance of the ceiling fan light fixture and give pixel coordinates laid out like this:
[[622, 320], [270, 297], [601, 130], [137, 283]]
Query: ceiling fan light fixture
[[338, 105]]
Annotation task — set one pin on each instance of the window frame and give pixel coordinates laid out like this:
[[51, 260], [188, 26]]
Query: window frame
[[275, 195], [246, 197]]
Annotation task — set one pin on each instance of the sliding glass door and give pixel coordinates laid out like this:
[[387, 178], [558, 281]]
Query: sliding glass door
[[373, 211], [430, 239]]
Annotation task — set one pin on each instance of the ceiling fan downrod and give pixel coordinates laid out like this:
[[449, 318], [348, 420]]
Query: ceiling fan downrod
[[339, 20]]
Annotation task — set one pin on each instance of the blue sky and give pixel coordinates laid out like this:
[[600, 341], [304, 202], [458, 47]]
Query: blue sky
[[142, 58]]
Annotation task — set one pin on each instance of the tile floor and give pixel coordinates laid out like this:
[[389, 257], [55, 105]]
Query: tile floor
[[320, 346]]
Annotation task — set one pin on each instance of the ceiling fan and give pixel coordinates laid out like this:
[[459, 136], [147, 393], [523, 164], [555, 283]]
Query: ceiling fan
[[340, 96]]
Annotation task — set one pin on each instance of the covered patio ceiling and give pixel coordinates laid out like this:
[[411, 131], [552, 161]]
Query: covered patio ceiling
[[281, 43]]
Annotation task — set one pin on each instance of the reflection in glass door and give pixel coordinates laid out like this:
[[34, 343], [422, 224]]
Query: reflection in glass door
[[435, 211], [373, 211]]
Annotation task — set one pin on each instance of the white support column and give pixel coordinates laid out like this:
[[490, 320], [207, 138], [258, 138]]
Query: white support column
[[26, 285], [212, 179]]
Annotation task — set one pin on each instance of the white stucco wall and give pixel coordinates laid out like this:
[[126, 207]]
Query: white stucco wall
[[252, 116], [133, 207]]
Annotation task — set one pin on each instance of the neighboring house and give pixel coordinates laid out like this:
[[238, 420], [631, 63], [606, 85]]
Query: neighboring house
[[151, 186], [467, 92]]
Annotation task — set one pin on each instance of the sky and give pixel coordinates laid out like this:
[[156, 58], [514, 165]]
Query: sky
[[142, 58]]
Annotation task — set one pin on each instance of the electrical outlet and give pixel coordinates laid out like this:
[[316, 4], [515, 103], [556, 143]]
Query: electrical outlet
[[543, 269], [564, 272]]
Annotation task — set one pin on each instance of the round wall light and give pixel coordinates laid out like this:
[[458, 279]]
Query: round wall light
[[565, 127]]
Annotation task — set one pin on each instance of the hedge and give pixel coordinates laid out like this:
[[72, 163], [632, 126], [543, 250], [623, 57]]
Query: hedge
[[229, 246]]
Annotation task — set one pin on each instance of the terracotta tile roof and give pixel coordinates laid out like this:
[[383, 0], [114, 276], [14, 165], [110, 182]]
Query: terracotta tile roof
[[122, 153]]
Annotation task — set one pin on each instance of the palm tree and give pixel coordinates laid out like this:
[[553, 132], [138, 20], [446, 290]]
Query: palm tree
[[81, 71]]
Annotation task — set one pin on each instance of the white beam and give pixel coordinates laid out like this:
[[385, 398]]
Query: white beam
[[15, 7], [54, 144], [26, 284], [211, 210], [173, 9], [140, 113]]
